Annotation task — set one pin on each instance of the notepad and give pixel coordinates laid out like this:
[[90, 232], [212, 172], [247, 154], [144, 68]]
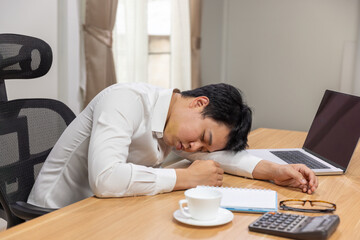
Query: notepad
[[247, 199]]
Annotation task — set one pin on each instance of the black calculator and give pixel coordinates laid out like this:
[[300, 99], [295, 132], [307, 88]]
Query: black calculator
[[296, 226]]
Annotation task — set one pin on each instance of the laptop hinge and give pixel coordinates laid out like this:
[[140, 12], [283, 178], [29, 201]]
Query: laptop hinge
[[324, 159]]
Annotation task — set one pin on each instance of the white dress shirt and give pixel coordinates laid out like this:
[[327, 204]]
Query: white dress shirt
[[114, 147]]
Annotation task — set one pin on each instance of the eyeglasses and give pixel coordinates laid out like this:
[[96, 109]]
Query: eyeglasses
[[316, 206]]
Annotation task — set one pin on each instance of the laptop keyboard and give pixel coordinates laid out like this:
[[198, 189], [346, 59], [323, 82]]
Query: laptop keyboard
[[299, 157]]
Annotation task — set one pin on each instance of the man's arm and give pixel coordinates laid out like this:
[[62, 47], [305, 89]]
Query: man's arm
[[244, 164], [237, 163], [292, 175], [115, 120]]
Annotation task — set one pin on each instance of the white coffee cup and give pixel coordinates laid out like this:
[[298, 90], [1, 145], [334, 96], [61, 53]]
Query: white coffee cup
[[202, 204]]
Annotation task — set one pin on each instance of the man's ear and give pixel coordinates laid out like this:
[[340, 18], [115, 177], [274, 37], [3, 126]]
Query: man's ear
[[201, 102]]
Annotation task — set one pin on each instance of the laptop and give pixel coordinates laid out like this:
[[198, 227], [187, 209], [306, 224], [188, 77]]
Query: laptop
[[331, 140]]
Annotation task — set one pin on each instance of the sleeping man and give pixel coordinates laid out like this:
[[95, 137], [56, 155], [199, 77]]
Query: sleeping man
[[116, 145]]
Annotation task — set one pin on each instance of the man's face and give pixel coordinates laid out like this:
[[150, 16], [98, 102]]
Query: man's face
[[188, 131]]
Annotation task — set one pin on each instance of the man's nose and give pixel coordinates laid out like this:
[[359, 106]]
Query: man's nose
[[194, 146]]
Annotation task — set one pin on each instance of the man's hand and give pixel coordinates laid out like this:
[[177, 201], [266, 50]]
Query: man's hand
[[292, 175], [200, 172]]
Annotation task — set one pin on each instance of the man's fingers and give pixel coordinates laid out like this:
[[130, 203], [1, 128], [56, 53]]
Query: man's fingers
[[220, 177], [297, 176], [310, 175], [313, 184]]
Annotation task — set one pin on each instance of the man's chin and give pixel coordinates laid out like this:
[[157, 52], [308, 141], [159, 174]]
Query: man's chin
[[167, 142]]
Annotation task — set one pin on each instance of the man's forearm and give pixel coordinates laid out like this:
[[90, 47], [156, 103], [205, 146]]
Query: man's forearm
[[264, 170], [237, 163]]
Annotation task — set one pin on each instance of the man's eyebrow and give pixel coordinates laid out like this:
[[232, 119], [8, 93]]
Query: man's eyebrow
[[210, 139]]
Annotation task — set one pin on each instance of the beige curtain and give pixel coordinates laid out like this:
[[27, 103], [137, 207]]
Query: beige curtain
[[99, 22], [180, 46], [195, 22]]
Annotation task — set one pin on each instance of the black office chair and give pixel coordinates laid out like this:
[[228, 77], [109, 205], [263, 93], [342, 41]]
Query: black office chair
[[29, 128]]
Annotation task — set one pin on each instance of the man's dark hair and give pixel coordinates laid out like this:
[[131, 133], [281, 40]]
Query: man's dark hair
[[226, 106]]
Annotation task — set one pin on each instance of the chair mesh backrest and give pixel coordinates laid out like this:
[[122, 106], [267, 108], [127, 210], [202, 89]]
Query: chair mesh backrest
[[29, 128]]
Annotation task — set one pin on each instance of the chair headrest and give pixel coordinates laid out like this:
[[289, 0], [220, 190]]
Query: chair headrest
[[23, 57]]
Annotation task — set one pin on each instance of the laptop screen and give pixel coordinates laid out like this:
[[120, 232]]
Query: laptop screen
[[335, 130]]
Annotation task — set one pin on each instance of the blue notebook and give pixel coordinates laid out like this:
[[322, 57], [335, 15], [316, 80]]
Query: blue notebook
[[247, 199]]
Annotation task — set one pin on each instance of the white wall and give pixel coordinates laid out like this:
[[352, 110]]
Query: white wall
[[57, 23], [282, 54], [211, 41], [36, 18]]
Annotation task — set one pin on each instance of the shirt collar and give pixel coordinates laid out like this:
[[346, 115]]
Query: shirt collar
[[161, 110]]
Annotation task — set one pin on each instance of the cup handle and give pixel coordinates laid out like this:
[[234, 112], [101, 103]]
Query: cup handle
[[182, 209]]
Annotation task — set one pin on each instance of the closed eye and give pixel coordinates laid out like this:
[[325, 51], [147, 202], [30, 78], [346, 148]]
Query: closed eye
[[202, 149]]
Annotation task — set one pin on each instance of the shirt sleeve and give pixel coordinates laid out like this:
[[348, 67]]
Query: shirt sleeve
[[238, 163], [116, 117]]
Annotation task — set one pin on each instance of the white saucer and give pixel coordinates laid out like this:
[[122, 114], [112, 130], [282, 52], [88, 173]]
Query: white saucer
[[224, 216]]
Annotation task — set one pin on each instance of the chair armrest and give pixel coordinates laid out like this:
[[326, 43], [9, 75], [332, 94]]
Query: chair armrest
[[28, 211]]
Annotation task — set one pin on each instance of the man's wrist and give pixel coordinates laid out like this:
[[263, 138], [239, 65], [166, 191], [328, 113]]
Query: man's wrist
[[265, 170], [181, 179]]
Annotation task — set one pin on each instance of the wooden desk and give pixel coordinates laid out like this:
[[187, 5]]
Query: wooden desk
[[150, 217]]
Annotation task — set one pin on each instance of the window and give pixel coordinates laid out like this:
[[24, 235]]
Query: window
[[141, 43], [159, 29]]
